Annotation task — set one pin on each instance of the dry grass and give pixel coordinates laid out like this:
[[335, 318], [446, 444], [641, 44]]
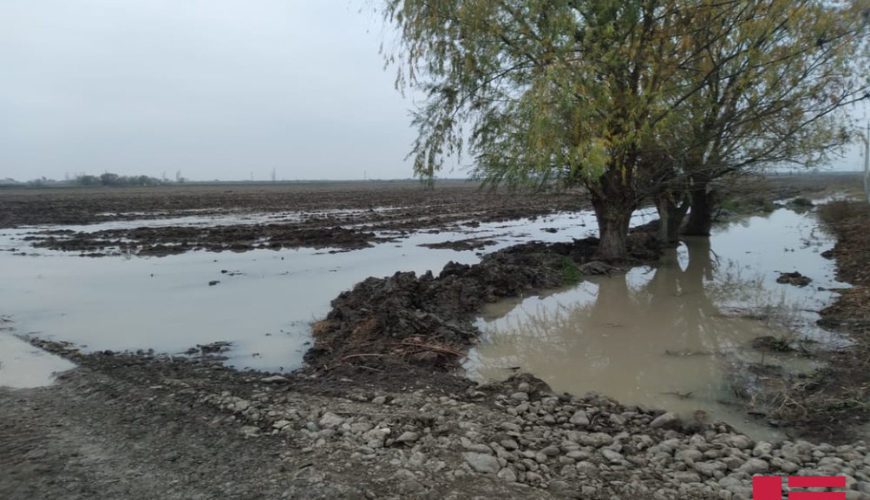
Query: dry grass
[[322, 327]]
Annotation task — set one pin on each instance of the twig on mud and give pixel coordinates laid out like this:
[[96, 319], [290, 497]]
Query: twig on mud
[[434, 348], [352, 356], [360, 356]]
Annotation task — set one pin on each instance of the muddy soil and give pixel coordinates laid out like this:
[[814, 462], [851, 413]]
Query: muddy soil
[[427, 320], [343, 216], [140, 426], [337, 215], [148, 241]]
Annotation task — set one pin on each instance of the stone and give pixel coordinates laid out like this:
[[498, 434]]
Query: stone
[[408, 437], [687, 477], [250, 431], [595, 439], [784, 465], [559, 486], [739, 441], [281, 424], [380, 400], [331, 420], [588, 491], [509, 444], [754, 466], [691, 454], [733, 462], [762, 449], [508, 475], [361, 427], [709, 468], [551, 451], [481, 462], [587, 469], [737, 486], [534, 477], [520, 396], [275, 379], [375, 438], [611, 455], [580, 418], [667, 420], [510, 427]]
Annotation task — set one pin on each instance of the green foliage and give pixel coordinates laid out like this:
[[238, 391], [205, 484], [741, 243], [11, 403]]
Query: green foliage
[[568, 90], [570, 272], [115, 180], [630, 98]]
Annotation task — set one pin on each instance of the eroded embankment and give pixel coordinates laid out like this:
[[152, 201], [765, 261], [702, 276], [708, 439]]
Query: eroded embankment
[[834, 401], [427, 320]]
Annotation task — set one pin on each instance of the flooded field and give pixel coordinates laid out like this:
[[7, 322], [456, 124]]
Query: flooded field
[[263, 302], [678, 335]]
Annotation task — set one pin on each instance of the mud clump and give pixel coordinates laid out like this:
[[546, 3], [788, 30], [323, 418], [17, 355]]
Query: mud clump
[[462, 245], [427, 320], [795, 279], [161, 241]]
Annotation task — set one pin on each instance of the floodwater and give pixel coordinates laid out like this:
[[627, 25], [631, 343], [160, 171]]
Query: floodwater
[[668, 336], [24, 366], [674, 335], [264, 303]]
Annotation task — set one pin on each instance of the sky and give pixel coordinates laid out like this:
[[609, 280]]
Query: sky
[[215, 89]]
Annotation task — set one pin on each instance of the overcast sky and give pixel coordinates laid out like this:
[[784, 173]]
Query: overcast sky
[[214, 88]]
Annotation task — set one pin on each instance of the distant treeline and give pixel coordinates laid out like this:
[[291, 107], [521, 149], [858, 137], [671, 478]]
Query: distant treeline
[[110, 179]]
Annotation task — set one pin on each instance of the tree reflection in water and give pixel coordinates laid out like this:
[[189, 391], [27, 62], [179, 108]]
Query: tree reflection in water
[[653, 336]]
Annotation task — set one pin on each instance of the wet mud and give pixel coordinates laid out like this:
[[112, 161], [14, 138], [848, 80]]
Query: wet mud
[[344, 216], [427, 320]]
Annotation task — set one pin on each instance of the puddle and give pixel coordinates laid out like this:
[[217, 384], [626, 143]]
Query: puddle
[[670, 336], [23, 366], [264, 304]]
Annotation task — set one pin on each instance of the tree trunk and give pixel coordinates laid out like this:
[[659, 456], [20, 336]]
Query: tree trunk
[[614, 199], [612, 233], [671, 217], [701, 215], [663, 207], [675, 221]]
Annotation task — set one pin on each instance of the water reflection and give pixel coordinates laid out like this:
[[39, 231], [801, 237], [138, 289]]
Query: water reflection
[[664, 336]]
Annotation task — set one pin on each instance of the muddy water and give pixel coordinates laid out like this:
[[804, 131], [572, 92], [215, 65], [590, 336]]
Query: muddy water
[[24, 366], [264, 304], [673, 336]]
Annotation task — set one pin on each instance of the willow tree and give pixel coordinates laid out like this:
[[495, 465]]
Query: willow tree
[[774, 89], [541, 91]]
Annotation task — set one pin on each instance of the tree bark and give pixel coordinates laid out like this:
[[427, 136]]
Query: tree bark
[[671, 217], [663, 207], [612, 233], [614, 198], [701, 216]]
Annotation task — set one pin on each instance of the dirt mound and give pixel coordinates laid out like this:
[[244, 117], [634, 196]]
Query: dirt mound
[[427, 320], [173, 239]]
